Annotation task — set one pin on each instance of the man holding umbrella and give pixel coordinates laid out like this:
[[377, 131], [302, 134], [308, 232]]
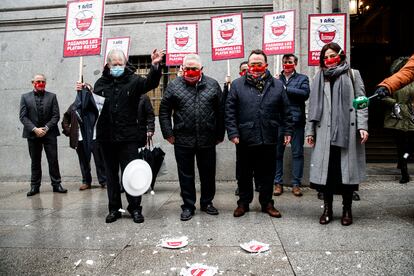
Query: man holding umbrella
[[117, 125]]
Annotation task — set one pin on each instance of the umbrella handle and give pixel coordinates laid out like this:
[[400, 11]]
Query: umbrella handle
[[150, 143]]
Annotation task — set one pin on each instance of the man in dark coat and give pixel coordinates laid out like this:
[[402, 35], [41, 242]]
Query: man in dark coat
[[196, 101], [117, 127], [39, 114], [255, 108], [297, 89], [71, 128]]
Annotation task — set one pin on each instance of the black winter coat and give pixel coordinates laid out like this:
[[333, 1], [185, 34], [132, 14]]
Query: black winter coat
[[146, 119], [255, 117], [297, 89], [198, 113], [118, 121]]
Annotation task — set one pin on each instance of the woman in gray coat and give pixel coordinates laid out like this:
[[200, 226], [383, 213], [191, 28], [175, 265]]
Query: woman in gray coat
[[336, 131]]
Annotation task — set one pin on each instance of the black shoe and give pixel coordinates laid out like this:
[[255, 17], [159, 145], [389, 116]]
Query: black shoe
[[137, 216], [355, 196], [210, 209], [33, 190], [237, 192], [113, 216], [103, 185], [59, 189], [320, 195], [186, 214]]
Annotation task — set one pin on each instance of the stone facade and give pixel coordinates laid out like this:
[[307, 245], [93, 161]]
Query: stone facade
[[31, 38]]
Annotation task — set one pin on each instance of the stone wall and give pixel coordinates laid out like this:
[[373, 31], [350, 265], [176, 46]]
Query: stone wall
[[31, 38]]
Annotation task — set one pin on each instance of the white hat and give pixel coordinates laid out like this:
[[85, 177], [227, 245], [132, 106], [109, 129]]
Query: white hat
[[137, 177]]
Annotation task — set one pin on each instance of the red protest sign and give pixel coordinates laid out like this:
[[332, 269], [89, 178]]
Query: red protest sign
[[83, 33], [323, 29], [279, 33], [181, 39], [227, 36]]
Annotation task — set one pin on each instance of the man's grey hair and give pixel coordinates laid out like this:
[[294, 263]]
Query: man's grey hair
[[42, 75], [116, 53], [193, 57]]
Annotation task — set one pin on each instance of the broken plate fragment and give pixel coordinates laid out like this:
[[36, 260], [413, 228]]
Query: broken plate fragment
[[255, 246], [174, 243]]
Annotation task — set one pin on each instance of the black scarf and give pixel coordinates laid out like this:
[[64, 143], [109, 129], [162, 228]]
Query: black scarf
[[260, 82]]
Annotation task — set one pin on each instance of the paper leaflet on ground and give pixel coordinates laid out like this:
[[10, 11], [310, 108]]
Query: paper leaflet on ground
[[174, 243], [255, 246], [198, 270]]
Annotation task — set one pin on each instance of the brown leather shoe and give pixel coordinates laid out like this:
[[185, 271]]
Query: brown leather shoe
[[84, 187], [271, 210], [278, 190], [297, 191], [346, 219], [240, 211]]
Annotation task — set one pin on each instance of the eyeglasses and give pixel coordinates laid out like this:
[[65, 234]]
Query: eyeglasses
[[191, 68], [40, 81]]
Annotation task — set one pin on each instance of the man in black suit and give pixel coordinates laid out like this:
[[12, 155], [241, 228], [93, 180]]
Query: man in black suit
[[39, 114]]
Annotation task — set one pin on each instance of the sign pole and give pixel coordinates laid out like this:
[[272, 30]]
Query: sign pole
[[228, 68], [81, 69]]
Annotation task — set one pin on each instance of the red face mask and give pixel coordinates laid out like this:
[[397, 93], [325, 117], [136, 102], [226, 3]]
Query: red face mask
[[192, 76], [288, 68], [40, 86], [332, 62], [243, 73], [257, 71]]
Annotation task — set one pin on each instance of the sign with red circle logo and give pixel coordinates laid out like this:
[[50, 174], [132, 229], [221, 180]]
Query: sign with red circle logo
[[279, 33], [324, 29], [83, 33], [227, 36], [182, 39]]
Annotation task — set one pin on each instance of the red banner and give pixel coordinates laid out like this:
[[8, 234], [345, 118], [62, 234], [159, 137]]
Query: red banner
[[83, 33], [323, 29], [227, 36], [181, 39]]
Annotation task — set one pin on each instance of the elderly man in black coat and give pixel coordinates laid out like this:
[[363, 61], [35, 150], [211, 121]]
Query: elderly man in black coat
[[39, 114], [117, 127], [255, 108], [196, 101]]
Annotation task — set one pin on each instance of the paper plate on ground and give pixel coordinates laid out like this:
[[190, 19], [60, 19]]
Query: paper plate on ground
[[137, 177], [255, 246], [198, 270], [174, 243]]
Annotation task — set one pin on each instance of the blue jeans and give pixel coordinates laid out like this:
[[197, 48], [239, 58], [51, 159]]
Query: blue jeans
[[297, 155]]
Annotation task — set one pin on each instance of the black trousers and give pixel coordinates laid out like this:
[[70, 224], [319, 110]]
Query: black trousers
[[258, 162], [206, 164], [119, 155], [85, 165], [36, 146]]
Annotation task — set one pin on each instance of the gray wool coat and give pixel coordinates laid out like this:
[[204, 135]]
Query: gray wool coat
[[353, 165]]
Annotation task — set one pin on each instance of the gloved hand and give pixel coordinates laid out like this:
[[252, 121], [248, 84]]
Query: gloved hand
[[396, 110], [382, 92]]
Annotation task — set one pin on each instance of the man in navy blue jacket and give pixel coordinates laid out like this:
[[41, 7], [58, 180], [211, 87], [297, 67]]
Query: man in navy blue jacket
[[297, 89], [256, 107]]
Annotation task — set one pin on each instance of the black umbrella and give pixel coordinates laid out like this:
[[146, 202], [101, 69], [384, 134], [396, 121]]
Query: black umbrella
[[154, 157], [87, 113]]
